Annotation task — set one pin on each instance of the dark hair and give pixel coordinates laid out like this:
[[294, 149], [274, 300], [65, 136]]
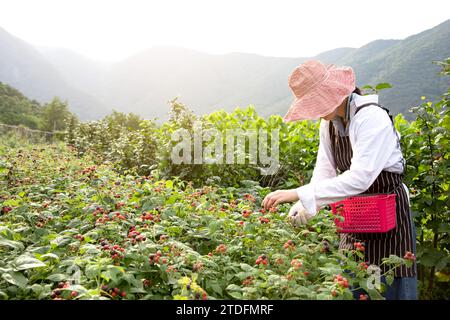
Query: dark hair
[[357, 91]]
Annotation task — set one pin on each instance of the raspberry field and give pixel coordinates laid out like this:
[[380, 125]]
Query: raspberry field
[[100, 212], [80, 231]]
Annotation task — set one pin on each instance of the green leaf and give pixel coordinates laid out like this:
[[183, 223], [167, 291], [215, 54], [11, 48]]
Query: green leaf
[[432, 257], [444, 228], [389, 279], [92, 271], [213, 227], [12, 244], [26, 262], [171, 200], [15, 278], [37, 288], [382, 86], [247, 267], [233, 287], [169, 184], [61, 241], [50, 255], [216, 288], [236, 295], [250, 228], [374, 294], [57, 277]]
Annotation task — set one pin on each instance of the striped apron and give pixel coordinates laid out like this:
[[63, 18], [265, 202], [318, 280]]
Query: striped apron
[[378, 245]]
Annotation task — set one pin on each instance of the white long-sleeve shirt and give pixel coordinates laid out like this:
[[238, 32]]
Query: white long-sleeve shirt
[[375, 148]]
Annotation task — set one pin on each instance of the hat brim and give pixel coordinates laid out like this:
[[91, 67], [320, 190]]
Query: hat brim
[[325, 98]]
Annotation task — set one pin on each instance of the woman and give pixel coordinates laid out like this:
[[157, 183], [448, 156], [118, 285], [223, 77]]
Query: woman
[[359, 153]]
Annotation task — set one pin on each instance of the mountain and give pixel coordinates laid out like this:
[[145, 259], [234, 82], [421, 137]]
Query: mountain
[[406, 64], [145, 82], [25, 68], [81, 72]]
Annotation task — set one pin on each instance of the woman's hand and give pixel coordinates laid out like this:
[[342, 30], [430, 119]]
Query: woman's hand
[[298, 215], [280, 196]]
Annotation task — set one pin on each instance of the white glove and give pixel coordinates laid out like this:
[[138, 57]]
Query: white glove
[[298, 215]]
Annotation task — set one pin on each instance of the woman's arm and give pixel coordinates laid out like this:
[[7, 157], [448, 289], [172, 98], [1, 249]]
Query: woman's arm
[[323, 169], [374, 142]]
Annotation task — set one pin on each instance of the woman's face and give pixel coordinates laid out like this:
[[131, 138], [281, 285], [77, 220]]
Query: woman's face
[[338, 111], [330, 116]]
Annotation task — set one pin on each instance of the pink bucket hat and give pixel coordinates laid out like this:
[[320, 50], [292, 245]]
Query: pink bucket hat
[[318, 89]]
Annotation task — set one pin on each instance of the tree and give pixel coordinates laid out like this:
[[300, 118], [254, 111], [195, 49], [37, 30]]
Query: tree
[[55, 114]]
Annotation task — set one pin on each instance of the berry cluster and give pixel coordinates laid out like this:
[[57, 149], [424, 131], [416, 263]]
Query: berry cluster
[[246, 213], [120, 204], [175, 251], [359, 246], [249, 197], [363, 297], [151, 217], [115, 251], [222, 249], [233, 203], [79, 237], [89, 170], [341, 281], [113, 216], [248, 281], [147, 283], [57, 294], [264, 220], [154, 258], [262, 259], [135, 236], [6, 209], [99, 210], [289, 245], [195, 195], [363, 266], [117, 216], [325, 248], [197, 267], [163, 237], [409, 256], [171, 269], [297, 264], [114, 292]]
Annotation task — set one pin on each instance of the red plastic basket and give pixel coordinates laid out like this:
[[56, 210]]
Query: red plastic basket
[[367, 214]]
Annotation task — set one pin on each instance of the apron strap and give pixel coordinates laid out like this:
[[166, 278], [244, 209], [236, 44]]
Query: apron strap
[[393, 126], [378, 105]]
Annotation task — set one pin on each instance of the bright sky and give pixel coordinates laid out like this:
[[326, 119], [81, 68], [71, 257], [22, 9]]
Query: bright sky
[[110, 30]]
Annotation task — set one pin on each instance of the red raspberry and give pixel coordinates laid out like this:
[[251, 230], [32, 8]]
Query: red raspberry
[[246, 213], [409, 256]]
